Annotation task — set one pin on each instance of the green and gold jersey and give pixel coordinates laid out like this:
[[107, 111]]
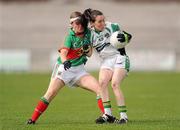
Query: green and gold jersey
[[74, 45]]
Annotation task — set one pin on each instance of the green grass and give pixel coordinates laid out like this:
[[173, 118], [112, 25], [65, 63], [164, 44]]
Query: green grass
[[153, 101]]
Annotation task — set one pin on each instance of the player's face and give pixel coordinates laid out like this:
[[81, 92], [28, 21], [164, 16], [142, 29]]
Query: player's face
[[99, 24], [77, 27]]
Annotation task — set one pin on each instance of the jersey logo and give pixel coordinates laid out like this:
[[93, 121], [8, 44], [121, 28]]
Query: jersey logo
[[101, 38], [107, 35], [119, 63], [101, 47], [77, 44], [79, 52]]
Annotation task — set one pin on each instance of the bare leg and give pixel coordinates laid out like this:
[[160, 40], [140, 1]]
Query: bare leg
[[118, 77], [105, 76], [54, 87], [88, 82]]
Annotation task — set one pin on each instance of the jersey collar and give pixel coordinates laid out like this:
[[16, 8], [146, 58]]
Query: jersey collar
[[96, 31]]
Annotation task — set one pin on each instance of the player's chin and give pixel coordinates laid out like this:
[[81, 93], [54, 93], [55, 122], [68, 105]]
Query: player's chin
[[101, 28], [80, 29]]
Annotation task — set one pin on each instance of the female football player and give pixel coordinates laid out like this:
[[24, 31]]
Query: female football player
[[69, 69], [114, 62]]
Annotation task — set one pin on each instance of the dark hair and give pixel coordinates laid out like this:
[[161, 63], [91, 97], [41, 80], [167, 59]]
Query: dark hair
[[91, 15], [75, 14], [82, 20]]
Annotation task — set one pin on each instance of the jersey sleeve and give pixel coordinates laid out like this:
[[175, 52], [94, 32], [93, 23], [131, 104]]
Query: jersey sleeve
[[92, 38], [67, 42], [66, 45], [89, 34], [115, 27]]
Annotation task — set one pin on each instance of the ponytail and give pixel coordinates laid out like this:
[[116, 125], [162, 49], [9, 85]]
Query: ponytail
[[91, 15], [87, 13]]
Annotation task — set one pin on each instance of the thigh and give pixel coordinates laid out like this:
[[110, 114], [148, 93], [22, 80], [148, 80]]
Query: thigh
[[105, 76], [54, 86], [88, 82], [118, 75], [65, 75]]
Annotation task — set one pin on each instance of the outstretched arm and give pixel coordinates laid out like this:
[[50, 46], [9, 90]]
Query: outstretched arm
[[63, 55]]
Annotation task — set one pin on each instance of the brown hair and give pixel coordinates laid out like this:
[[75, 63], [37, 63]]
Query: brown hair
[[75, 14], [82, 20], [91, 15]]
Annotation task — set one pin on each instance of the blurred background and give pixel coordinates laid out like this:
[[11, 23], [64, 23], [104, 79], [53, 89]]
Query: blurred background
[[31, 31]]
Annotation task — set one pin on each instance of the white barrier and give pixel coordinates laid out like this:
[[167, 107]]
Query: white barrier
[[152, 60], [141, 60], [15, 60]]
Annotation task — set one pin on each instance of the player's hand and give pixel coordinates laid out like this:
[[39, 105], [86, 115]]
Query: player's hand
[[86, 48], [129, 36], [121, 37], [67, 65]]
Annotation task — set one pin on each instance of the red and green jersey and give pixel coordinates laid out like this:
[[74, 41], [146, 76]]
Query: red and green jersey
[[74, 45]]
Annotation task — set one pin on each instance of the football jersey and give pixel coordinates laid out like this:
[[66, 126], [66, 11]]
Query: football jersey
[[101, 40], [74, 46]]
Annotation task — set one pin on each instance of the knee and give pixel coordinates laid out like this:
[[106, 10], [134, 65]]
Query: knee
[[115, 85]]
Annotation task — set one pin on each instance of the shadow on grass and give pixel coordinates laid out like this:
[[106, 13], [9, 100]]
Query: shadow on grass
[[66, 122]]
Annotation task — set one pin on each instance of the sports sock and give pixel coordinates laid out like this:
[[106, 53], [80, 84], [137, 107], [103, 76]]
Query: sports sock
[[40, 108], [122, 111], [100, 104], [107, 108]]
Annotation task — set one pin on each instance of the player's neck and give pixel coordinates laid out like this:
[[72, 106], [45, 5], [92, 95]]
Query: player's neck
[[81, 34]]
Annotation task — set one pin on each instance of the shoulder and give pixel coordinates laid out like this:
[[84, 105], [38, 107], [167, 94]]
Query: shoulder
[[113, 26], [108, 24], [68, 38], [88, 31], [69, 35]]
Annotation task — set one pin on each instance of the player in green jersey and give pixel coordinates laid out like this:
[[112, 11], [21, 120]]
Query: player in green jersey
[[69, 69]]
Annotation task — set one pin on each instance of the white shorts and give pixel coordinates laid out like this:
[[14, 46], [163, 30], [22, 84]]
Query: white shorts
[[116, 61], [70, 76]]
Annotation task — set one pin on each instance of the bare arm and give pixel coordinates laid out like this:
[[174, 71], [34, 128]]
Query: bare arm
[[63, 55]]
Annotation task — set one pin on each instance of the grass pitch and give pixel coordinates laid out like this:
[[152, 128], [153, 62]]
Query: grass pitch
[[152, 98]]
